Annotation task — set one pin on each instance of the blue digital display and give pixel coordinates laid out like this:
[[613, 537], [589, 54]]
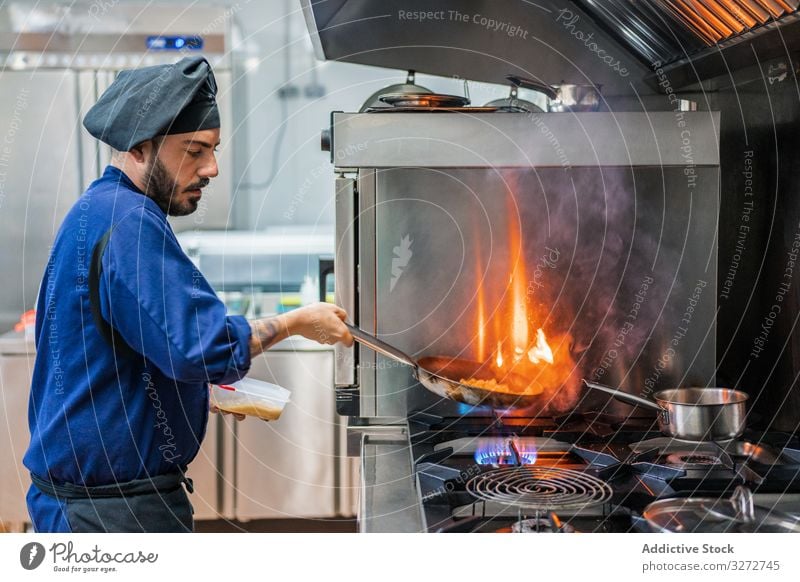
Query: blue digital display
[[174, 43]]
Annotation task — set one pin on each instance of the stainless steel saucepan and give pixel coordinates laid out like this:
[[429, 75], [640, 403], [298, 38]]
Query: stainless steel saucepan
[[448, 377], [563, 97], [692, 414]]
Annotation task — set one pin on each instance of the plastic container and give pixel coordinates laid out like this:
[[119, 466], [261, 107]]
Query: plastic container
[[251, 397]]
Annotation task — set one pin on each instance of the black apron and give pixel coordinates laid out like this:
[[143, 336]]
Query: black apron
[[156, 505]]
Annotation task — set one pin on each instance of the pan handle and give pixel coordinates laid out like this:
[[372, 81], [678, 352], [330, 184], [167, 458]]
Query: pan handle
[[380, 346], [624, 396], [533, 86]]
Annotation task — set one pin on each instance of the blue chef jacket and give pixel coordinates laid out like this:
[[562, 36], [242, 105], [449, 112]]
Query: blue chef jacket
[[99, 417]]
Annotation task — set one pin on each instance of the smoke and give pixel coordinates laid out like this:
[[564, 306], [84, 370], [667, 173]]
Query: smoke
[[602, 299]]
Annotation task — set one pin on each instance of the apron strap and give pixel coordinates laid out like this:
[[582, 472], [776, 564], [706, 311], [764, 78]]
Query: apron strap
[[108, 333], [158, 484]]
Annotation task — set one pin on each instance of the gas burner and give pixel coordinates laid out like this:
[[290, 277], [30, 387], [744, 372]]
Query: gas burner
[[668, 445], [687, 460], [539, 488], [542, 525], [503, 451], [465, 485]]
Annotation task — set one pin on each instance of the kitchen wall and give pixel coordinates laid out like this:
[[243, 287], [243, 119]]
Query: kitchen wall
[[284, 99], [281, 99]]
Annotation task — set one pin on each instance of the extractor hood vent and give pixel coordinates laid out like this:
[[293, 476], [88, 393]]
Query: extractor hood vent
[[668, 30]]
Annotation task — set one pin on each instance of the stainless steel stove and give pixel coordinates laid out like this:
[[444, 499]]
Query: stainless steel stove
[[510, 477], [471, 236]]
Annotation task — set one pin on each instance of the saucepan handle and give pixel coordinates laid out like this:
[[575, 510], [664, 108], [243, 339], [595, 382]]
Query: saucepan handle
[[380, 346], [517, 81], [624, 396]]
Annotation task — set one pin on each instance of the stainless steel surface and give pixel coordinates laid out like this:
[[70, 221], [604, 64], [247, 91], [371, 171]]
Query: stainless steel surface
[[381, 347], [752, 451], [540, 488], [456, 223], [111, 36], [16, 365], [694, 414], [514, 105], [213, 495], [434, 209], [287, 469], [94, 155], [273, 260], [39, 178], [365, 286], [525, 83], [389, 500], [434, 140], [649, 33], [534, 38], [631, 399], [30, 46], [714, 414], [739, 513], [375, 100], [345, 273], [424, 100], [565, 96], [577, 98]]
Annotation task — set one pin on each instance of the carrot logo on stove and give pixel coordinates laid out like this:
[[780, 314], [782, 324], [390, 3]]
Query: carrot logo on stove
[[402, 254]]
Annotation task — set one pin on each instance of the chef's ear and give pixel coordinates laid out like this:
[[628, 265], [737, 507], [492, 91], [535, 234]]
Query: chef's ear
[[140, 152], [146, 150]]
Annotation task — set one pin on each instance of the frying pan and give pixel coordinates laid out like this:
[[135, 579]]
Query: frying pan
[[691, 414], [442, 376]]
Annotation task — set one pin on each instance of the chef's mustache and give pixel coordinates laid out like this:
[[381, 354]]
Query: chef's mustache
[[199, 185]]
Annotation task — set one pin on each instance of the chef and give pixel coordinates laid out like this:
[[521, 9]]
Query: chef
[[128, 333]]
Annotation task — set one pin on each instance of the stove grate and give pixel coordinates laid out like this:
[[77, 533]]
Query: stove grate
[[539, 488]]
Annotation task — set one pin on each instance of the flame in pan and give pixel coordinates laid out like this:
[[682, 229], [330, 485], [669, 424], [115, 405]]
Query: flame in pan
[[541, 351], [516, 332]]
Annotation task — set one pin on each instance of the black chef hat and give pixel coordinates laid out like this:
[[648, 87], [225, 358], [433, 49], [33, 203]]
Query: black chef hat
[[144, 103]]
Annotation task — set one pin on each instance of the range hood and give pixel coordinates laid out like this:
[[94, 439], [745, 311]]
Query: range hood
[[666, 31], [616, 43]]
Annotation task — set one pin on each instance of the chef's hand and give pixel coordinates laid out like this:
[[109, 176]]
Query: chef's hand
[[321, 322], [216, 410]]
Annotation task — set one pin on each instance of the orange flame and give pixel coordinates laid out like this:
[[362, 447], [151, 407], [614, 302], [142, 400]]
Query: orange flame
[[481, 318], [541, 351], [510, 319]]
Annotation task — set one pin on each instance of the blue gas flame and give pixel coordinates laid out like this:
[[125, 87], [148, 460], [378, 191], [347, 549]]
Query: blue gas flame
[[500, 451]]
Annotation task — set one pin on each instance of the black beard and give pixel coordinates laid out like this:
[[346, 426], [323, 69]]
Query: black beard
[[161, 186]]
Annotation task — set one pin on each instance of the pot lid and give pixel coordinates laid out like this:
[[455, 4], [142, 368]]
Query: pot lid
[[409, 87], [424, 100], [736, 514]]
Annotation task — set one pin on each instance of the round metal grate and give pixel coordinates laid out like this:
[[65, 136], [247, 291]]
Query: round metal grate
[[540, 488]]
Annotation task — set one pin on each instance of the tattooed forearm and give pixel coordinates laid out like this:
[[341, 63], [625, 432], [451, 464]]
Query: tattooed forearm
[[266, 333]]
